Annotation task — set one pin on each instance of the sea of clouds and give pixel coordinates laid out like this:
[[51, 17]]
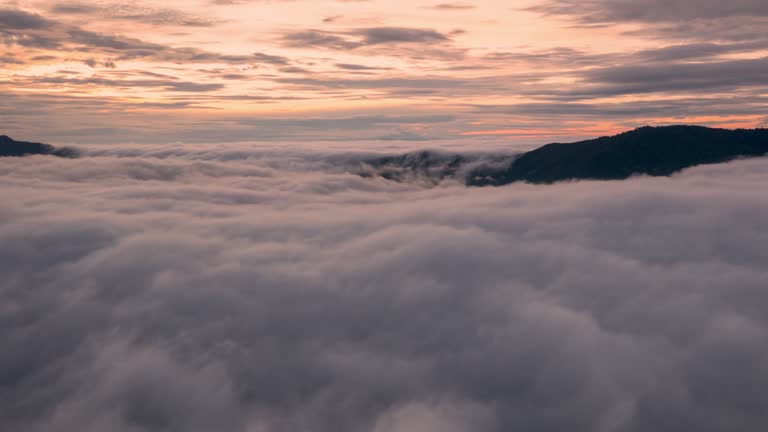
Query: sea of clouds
[[268, 289]]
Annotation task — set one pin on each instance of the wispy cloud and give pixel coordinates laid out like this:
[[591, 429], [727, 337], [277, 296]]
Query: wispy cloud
[[218, 60]]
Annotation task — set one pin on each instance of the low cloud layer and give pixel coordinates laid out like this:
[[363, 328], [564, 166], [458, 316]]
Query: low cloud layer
[[259, 289]]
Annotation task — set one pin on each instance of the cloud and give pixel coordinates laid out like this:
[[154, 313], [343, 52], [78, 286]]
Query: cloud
[[358, 67], [374, 57], [131, 11], [33, 31], [11, 59], [169, 85], [707, 20], [317, 38], [601, 11], [364, 37], [382, 35], [709, 76], [11, 19], [256, 287], [453, 6]]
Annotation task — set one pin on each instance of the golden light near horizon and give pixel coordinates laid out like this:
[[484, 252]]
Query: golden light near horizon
[[489, 66]]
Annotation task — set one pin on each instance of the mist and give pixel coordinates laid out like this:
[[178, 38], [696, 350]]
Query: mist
[[232, 289]]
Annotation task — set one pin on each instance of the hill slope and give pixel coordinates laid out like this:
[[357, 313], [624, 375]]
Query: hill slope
[[655, 151], [12, 148]]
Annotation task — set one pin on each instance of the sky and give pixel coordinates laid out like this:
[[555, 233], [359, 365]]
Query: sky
[[372, 71]]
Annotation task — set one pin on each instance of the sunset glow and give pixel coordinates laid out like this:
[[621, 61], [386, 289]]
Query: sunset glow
[[214, 71]]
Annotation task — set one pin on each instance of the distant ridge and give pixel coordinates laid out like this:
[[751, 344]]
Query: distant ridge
[[654, 151], [12, 148]]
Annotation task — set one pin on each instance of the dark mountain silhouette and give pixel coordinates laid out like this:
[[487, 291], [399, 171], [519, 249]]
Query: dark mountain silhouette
[[12, 148], [654, 151]]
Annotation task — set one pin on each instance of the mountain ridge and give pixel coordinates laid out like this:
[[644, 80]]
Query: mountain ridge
[[12, 148], [648, 150]]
